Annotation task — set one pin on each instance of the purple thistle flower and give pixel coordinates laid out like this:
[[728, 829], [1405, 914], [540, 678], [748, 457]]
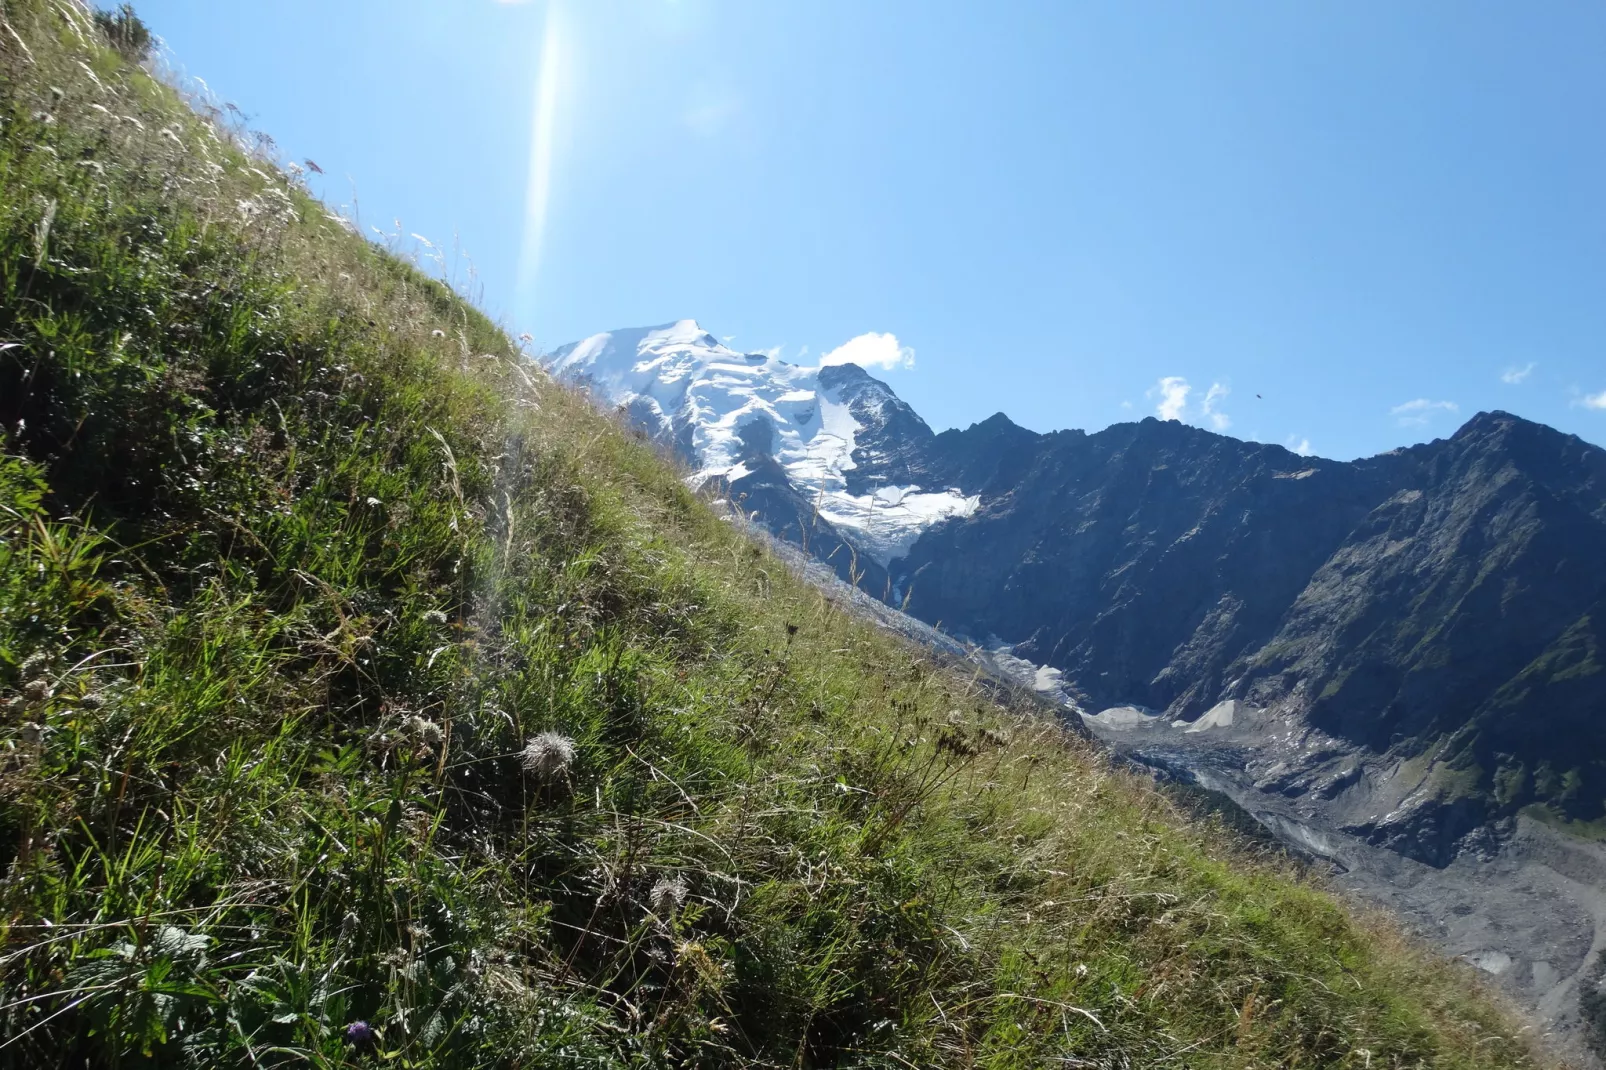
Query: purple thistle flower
[[360, 1033]]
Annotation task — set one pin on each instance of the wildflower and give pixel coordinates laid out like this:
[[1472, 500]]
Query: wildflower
[[668, 895], [360, 1033], [34, 664], [548, 756], [36, 690]]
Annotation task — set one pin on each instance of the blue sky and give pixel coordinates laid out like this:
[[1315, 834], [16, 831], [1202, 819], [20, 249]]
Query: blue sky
[[1381, 218]]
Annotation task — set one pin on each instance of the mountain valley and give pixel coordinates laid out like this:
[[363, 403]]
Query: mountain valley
[[1393, 663]]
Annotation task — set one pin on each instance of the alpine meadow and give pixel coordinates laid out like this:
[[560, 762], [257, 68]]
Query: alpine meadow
[[371, 698]]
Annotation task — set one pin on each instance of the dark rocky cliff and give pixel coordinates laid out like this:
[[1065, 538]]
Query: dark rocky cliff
[[1443, 602]]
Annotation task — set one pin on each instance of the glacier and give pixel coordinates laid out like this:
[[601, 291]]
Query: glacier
[[686, 389]]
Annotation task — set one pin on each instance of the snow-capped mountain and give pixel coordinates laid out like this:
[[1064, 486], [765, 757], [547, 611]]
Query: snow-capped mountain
[[737, 417]]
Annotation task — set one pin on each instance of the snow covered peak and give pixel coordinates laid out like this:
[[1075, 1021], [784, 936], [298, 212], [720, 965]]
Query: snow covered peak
[[684, 387], [651, 368]]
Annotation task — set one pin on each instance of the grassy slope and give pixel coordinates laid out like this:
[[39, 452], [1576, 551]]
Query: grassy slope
[[296, 558]]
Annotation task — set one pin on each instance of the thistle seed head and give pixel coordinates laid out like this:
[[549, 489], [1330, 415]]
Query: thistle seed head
[[547, 756], [668, 895]]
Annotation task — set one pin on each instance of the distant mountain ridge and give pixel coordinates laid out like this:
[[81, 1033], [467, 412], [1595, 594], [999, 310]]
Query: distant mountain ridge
[[1435, 615]]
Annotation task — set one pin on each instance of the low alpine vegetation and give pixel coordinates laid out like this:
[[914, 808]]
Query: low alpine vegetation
[[370, 699]]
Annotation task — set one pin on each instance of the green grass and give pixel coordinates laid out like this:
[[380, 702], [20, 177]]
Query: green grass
[[298, 553]]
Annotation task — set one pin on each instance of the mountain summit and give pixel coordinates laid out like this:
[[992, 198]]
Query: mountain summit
[[815, 451]]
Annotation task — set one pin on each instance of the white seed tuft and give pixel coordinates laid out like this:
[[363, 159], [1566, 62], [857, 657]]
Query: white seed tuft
[[548, 756], [668, 895]]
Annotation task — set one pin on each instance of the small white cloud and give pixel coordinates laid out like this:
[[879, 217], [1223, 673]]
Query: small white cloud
[[1514, 374], [1172, 392], [773, 352], [1420, 411], [1219, 420], [1127, 405], [872, 350], [1299, 445], [1594, 401]]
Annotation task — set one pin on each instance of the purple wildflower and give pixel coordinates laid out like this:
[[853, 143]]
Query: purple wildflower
[[360, 1033]]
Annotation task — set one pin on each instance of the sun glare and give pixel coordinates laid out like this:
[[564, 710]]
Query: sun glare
[[543, 132]]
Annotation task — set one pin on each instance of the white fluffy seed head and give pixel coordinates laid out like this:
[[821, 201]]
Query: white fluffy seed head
[[548, 756], [668, 895]]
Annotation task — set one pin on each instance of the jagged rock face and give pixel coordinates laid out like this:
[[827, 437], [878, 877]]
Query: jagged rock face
[[1442, 604], [1437, 613], [1142, 560]]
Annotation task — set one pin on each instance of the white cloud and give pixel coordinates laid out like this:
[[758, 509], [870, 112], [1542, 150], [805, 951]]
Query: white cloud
[[773, 352], [872, 350], [1126, 405], [1173, 394], [1595, 401], [1299, 445], [1420, 411], [1514, 375], [1219, 420]]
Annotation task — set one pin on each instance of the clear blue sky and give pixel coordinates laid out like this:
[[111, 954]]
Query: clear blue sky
[[1371, 214]]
